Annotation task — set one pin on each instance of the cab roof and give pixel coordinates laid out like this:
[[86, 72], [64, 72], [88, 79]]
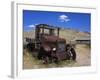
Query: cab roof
[[46, 26]]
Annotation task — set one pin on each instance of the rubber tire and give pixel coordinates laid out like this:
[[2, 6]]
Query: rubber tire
[[73, 54], [30, 47]]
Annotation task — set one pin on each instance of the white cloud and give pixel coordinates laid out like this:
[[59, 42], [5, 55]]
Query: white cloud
[[64, 18], [31, 26]]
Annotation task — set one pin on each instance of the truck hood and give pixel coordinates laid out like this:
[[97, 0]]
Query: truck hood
[[53, 39]]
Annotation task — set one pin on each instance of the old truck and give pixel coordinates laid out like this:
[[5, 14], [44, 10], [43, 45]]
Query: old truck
[[50, 47]]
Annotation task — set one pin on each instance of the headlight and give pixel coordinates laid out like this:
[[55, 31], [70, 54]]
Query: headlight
[[54, 49]]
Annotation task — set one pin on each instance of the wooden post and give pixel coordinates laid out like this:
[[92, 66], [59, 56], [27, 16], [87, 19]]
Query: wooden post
[[58, 31]]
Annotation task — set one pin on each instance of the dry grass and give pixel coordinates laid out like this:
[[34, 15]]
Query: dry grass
[[83, 59], [30, 62]]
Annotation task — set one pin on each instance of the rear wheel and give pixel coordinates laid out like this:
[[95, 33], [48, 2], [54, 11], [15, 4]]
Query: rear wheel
[[30, 47], [44, 55], [55, 59], [45, 60], [41, 53]]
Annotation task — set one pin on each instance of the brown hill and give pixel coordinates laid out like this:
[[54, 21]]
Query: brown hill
[[68, 34]]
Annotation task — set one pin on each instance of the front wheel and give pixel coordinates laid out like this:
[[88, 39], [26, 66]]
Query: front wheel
[[72, 54]]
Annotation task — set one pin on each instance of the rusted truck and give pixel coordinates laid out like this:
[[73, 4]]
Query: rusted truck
[[50, 47]]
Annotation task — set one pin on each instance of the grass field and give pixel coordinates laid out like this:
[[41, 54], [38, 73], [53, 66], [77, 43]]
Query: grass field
[[83, 59]]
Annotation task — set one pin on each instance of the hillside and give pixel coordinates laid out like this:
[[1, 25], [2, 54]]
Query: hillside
[[68, 34]]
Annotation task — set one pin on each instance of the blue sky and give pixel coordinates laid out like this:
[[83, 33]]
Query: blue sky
[[77, 21]]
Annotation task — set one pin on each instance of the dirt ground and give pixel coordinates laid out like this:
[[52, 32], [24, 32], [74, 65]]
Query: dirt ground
[[83, 55], [83, 59]]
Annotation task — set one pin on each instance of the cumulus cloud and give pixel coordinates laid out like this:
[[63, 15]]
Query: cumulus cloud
[[31, 26], [64, 18]]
